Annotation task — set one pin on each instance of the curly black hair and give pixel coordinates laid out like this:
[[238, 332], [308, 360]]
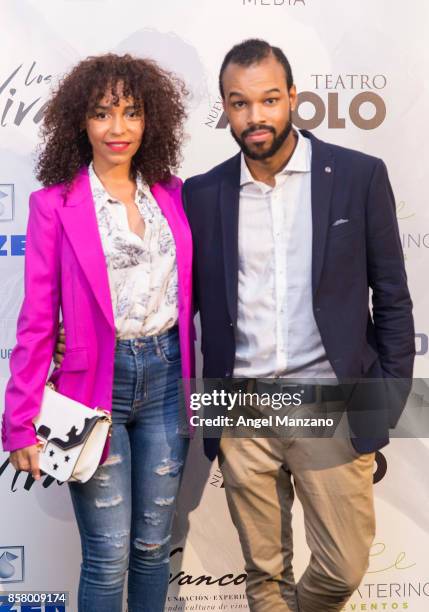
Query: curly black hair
[[65, 146]]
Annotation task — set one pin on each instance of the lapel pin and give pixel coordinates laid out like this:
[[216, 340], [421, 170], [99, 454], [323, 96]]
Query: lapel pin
[[328, 169]]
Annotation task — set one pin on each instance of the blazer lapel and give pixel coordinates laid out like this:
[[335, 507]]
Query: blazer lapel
[[166, 204], [229, 195], [80, 224], [182, 238], [322, 182]]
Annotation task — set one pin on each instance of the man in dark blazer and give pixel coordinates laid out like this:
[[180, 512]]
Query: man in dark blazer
[[290, 236]]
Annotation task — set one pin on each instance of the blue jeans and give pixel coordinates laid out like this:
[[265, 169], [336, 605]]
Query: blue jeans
[[125, 511]]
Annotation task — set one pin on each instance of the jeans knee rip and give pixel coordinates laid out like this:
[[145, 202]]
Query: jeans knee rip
[[113, 460], [109, 503], [103, 479], [153, 550], [152, 518], [101, 476], [169, 467], [163, 501], [118, 539]]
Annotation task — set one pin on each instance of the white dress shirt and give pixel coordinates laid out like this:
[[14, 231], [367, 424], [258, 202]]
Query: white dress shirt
[[277, 335], [142, 272]]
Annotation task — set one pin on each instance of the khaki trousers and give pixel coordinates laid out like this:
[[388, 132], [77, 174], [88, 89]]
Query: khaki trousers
[[334, 486]]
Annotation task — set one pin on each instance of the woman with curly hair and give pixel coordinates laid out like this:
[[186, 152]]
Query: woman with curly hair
[[108, 244]]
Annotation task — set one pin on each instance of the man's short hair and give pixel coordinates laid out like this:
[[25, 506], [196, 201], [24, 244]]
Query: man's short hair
[[253, 51]]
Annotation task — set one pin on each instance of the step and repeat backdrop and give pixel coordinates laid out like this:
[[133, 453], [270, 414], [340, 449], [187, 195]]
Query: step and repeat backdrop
[[361, 68]]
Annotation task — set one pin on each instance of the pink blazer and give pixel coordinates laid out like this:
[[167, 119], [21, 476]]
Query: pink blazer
[[65, 269]]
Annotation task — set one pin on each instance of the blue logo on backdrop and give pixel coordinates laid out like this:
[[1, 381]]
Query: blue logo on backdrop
[[7, 202], [12, 571], [11, 564], [12, 244], [7, 606]]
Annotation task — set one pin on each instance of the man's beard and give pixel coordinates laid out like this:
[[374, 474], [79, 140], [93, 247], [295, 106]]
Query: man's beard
[[276, 145]]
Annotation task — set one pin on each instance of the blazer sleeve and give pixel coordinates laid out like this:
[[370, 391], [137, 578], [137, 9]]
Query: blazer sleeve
[[37, 325], [186, 208], [391, 301]]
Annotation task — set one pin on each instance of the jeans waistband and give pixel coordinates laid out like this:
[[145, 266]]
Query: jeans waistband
[[147, 341]]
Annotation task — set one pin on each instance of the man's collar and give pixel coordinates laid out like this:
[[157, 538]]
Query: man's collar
[[299, 162]]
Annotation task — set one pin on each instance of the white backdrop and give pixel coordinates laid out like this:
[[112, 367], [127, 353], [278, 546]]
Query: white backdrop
[[362, 66]]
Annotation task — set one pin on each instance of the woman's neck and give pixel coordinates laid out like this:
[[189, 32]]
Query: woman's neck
[[112, 174]]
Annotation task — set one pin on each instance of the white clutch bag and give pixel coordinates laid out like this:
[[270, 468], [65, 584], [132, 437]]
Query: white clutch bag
[[71, 436]]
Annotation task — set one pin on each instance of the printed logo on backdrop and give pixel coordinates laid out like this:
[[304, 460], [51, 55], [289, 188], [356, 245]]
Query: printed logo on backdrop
[[24, 89], [422, 344], [20, 480], [385, 586], [7, 202], [412, 242], [274, 2], [337, 101], [5, 353], [403, 212], [12, 245], [11, 564], [216, 479], [26, 80], [182, 578]]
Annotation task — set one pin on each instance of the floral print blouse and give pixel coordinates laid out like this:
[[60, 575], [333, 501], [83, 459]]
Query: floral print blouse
[[142, 271]]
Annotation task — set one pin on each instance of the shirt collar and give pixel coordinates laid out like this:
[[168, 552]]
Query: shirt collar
[[101, 196], [299, 162]]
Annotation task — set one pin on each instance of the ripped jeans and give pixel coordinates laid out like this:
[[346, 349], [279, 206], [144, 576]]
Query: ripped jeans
[[125, 511]]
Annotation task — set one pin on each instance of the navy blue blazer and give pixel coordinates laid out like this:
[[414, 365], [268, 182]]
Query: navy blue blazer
[[348, 259]]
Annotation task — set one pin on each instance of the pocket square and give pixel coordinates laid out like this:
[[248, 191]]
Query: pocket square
[[340, 222]]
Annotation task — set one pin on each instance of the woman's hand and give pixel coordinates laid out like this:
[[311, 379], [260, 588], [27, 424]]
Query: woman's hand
[[27, 460], [60, 347]]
